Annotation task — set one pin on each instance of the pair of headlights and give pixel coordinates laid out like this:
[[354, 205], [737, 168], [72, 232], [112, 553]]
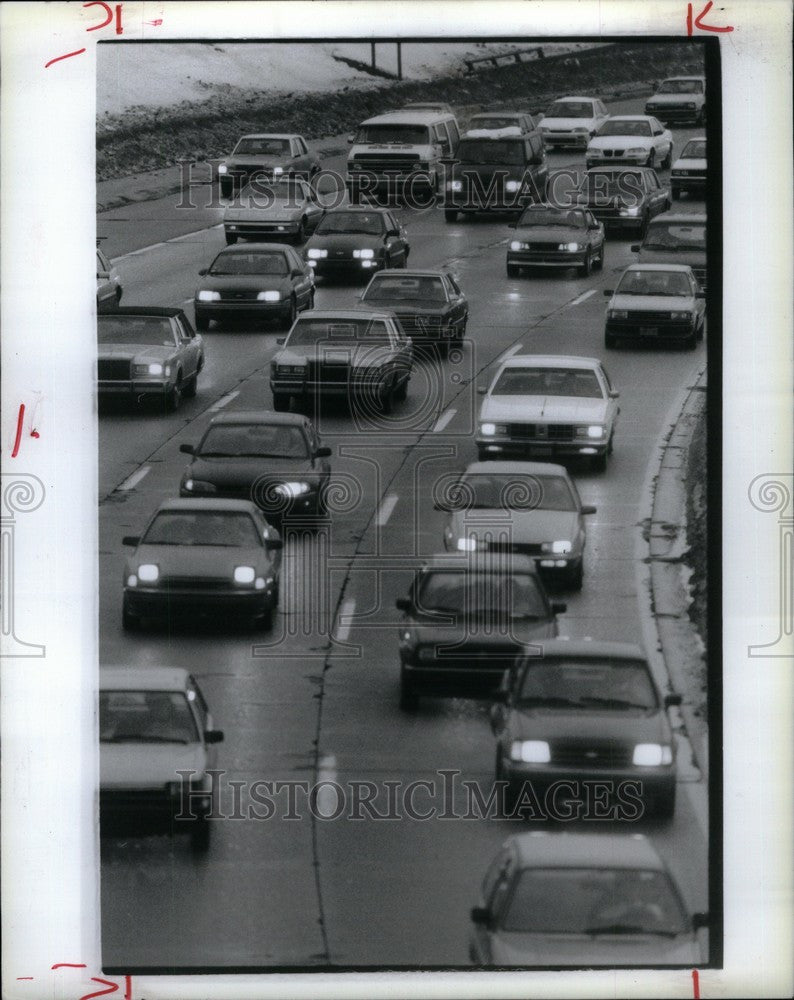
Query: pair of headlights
[[539, 752], [205, 295], [150, 573]]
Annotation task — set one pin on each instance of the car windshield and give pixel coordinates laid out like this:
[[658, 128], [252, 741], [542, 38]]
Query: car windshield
[[695, 149], [570, 109], [675, 236], [384, 288], [370, 223], [331, 334], [633, 127], [513, 491], [603, 184], [508, 596], [594, 901], [223, 529], [681, 87], [146, 717], [490, 151], [601, 683], [253, 441], [405, 135], [249, 262], [262, 147], [153, 331], [654, 283], [546, 217], [495, 121], [517, 381]]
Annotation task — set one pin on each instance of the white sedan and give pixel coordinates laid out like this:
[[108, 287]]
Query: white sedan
[[638, 140]]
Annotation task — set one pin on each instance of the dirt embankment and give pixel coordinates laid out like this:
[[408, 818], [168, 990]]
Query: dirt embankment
[[147, 138], [696, 530]]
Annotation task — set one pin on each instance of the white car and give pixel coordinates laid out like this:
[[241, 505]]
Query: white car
[[689, 170], [656, 303], [108, 284], [638, 140], [573, 121], [548, 406], [679, 99]]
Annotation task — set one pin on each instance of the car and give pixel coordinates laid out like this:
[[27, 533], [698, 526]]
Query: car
[[108, 284], [467, 617], [585, 900], [548, 236], [269, 155], [496, 172], [430, 305], [494, 121], [286, 208], [364, 357], [215, 558], [275, 459], [584, 710], [153, 724], [531, 508], [148, 351], [258, 281], [573, 121], [548, 406], [357, 241], [623, 197], [676, 238], [636, 140], [656, 303], [689, 170], [679, 99]]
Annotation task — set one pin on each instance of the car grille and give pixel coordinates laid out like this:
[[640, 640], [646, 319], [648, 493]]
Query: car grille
[[638, 316], [590, 753], [328, 371], [114, 369], [195, 583], [542, 432], [379, 164], [606, 153], [240, 296], [524, 548], [250, 168], [543, 247], [416, 324]]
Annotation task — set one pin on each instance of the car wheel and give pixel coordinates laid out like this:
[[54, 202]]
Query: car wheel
[[409, 699], [129, 621], [610, 340], [401, 391], [450, 214], [701, 330], [460, 332], [386, 398], [675, 191], [303, 231], [510, 794], [701, 117], [601, 253], [587, 267], [291, 314], [663, 805], [281, 402], [513, 270], [174, 395], [577, 577], [598, 463], [691, 341], [202, 323], [231, 239], [310, 302], [200, 835], [264, 622], [651, 161], [190, 387], [227, 190]]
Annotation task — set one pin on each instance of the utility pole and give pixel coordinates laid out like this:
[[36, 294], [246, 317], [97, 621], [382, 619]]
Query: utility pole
[[399, 60], [372, 54]]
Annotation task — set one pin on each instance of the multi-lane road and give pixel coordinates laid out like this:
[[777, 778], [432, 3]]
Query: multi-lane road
[[317, 698]]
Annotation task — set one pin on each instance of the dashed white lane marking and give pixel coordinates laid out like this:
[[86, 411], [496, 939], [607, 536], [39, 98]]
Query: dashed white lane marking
[[345, 619], [443, 420], [385, 511], [164, 243], [224, 401], [327, 803], [132, 481], [583, 296], [509, 354]]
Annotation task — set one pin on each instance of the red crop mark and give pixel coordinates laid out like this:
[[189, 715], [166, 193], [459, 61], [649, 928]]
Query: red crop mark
[[154, 24], [109, 12], [24, 977], [18, 438], [696, 984], [69, 965], [68, 55], [699, 20]]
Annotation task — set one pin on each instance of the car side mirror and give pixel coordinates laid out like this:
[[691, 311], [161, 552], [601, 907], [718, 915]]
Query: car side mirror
[[130, 539], [559, 607], [480, 915], [323, 452], [281, 340], [588, 508], [213, 736], [273, 544], [608, 292], [700, 920], [481, 390], [672, 700], [403, 604], [392, 232], [297, 272], [203, 271], [635, 248], [187, 449], [351, 139], [613, 394]]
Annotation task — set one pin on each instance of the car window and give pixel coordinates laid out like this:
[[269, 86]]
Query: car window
[[503, 151], [636, 282], [566, 218], [347, 332], [425, 288], [695, 149], [675, 236], [102, 263], [570, 109], [606, 683], [407, 135], [513, 491], [454, 133], [508, 596], [681, 87], [606, 377], [262, 147], [249, 262], [502, 890], [495, 869], [257, 440], [223, 529], [146, 717], [184, 329], [154, 331], [515, 381], [638, 127], [652, 181], [196, 699], [453, 285], [366, 223]]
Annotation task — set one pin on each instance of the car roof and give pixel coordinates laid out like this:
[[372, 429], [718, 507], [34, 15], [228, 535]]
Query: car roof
[[695, 138], [612, 169], [269, 417], [219, 506], [358, 208], [257, 247], [683, 78], [350, 314], [585, 850], [550, 361], [630, 118], [409, 117], [679, 217], [520, 468], [501, 114], [143, 311], [588, 649], [270, 135], [574, 97], [143, 679], [482, 562], [659, 267], [403, 272]]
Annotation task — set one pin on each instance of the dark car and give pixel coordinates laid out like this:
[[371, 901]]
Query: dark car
[[285, 208], [274, 459], [531, 508], [495, 121], [676, 238], [355, 355], [148, 351], [579, 710], [203, 557], [357, 241], [547, 236], [496, 172], [430, 306], [254, 281], [626, 197], [467, 617], [268, 155]]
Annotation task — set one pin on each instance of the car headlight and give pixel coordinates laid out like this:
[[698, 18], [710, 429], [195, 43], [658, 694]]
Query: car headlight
[[680, 315], [559, 548], [469, 544], [634, 210], [199, 486], [207, 296], [244, 574], [571, 247], [454, 185], [637, 149], [364, 254], [315, 254], [518, 245], [690, 104], [530, 751], [278, 170], [132, 580], [289, 369], [594, 431], [512, 185], [617, 313], [652, 755], [487, 430], [260, 583], [148, 573], [153, 369], [222, 168], [292, 489], [269, 297], [580, 128]]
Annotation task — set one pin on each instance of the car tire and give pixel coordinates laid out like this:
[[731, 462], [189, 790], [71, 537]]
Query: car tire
[[385, 398], [668, 160], [601, 253], [281, 402], [587, 267], [513, 270], [691, 341], [200, 836], [129, 621], [598, 463], [510, 795], [675, 191], [577, 577], [291, 314], [401, 392], [202, 323], [450, 215], [227, 190], [303, 231], [610, 340], [651, 161], [663, 805], [190, 387], [409, 699], [174, 396], [264, 622], [231, 239]]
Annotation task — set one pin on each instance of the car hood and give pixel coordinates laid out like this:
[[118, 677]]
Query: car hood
[[138, 765], [515, 948], [660, 100], [237, 472], [281, 210], [695, 258], [361, 355], [244, 282], [652, 303], [199, 560], [550, 234], [549, 409], [481, 633], [567, 123], [345, 241], [135, 352], [523, 525], [687, 163], [588, 724], [621, 141], [265, 161], [503, 171]]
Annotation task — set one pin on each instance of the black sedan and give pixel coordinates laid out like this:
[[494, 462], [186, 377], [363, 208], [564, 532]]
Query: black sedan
[[357, 241], [429, 304], [556, 237], [274, 459], [254, 281]]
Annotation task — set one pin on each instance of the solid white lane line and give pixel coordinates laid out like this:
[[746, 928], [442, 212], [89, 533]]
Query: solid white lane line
[[385, 511], [224, 400], [509, 354], [132, 481], [327, 802], [443, 420], [345, 622], [164, 243], [582, 297]]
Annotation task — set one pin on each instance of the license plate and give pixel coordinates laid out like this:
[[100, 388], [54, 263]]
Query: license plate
[[542, 450], [649, 331]]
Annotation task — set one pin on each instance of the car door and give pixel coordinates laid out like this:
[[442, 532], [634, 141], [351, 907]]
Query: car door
[[396, 243], [459, 310], [537, 159], [105, 287], [190, 346], [601, 114], [662, 140], [313, 210], [302, 282], [402, 351], [301, 159], [481, 953], [595, 232], [612, 404], [321, 464]]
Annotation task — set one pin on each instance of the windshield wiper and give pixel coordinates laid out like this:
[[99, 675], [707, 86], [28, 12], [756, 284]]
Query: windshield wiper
[[628, 929], [622, 702], [555, 701]]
